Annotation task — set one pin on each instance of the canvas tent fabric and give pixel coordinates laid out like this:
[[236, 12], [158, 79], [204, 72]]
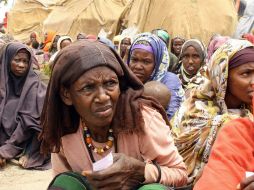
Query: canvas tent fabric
[[188, 18]]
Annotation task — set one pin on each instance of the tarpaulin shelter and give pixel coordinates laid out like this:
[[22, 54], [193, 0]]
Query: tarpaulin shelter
[[188, 18]]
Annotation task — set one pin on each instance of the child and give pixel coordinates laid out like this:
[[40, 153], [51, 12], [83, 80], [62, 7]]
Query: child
[[158, 91]]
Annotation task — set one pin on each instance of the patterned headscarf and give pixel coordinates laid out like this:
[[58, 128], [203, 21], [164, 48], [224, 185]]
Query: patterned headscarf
[[199, 118], [160, 52]]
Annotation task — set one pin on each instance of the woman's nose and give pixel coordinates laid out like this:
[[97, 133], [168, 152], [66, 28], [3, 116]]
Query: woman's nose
[[252, 80], [102, 95], [21, 64]]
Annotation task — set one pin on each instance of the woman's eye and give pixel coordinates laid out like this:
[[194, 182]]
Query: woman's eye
[[134, 60], [245, 73], [196, 56], [87, 87], [110, 83], [147, 62]]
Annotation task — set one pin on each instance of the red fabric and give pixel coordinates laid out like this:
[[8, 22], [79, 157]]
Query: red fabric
[[249, 37], [5, 22], [232, 155]]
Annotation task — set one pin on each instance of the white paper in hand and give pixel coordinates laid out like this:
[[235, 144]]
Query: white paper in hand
[[103, 163], [248, 174]]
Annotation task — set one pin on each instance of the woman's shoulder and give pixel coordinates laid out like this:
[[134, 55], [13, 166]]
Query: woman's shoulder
[[152, 118], [171, 79]]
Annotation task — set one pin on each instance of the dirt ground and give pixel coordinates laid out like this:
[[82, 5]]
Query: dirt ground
[[13, 177]]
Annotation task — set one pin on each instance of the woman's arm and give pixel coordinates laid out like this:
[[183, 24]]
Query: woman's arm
[[157, 145], [59, 163]]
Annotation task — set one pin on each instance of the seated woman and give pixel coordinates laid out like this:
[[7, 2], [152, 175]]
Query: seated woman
[[148, 59], [223, 96], [191, 59], [94, 106], [22, 96]]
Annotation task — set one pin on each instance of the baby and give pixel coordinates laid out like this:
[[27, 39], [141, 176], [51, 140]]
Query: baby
[[158, 91]]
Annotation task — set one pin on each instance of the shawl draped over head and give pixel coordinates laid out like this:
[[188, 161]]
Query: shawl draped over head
[[200, 48], [58, 119], [160, 52], [21, 101], [160, 72], [61, 39], [49, 40], [215, 43], [172, 42], [162, 34], [197, 121]]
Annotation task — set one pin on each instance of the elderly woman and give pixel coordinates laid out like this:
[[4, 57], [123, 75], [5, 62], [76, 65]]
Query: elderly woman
[[148, 59], [192, 58], [94, 106], [224, 95], [21, 101]]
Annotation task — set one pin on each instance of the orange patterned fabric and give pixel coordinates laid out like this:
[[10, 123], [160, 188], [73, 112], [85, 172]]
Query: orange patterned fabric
[[231, 156]]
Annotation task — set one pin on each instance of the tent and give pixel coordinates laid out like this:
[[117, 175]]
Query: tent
[[188, 18]]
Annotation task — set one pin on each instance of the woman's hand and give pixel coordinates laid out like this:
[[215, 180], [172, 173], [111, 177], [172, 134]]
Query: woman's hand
[[247, 183], [125, 173], [2, 162]]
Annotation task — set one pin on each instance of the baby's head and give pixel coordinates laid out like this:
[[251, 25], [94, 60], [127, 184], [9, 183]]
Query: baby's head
[[158, 91]]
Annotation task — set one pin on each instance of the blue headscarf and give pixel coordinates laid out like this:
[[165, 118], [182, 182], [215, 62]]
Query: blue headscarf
[[160, 52]]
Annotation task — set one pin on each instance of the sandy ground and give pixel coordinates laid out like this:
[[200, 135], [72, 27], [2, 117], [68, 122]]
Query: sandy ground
[[13, 177]]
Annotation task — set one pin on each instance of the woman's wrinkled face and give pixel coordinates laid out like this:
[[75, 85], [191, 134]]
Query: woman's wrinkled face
[[240, 81], [177, 46], [142, 64], [20, 63], [95, 95], [191, 60]]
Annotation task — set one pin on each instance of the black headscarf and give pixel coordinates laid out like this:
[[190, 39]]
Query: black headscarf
[[21, 101], [59, 119]]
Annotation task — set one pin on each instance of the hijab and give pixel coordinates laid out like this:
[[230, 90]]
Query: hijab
[[200, 48], [21, 101], [155, 45], [200, 117]]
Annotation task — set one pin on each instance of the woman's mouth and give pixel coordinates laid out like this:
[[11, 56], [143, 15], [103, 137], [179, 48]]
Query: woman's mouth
[[104, 111], [138, 74]]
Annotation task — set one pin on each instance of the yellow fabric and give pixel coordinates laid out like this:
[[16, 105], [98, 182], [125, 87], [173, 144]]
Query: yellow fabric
[[190, 19]]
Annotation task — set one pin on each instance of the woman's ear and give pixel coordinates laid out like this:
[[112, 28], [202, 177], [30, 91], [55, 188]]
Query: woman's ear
[[65, 96]]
